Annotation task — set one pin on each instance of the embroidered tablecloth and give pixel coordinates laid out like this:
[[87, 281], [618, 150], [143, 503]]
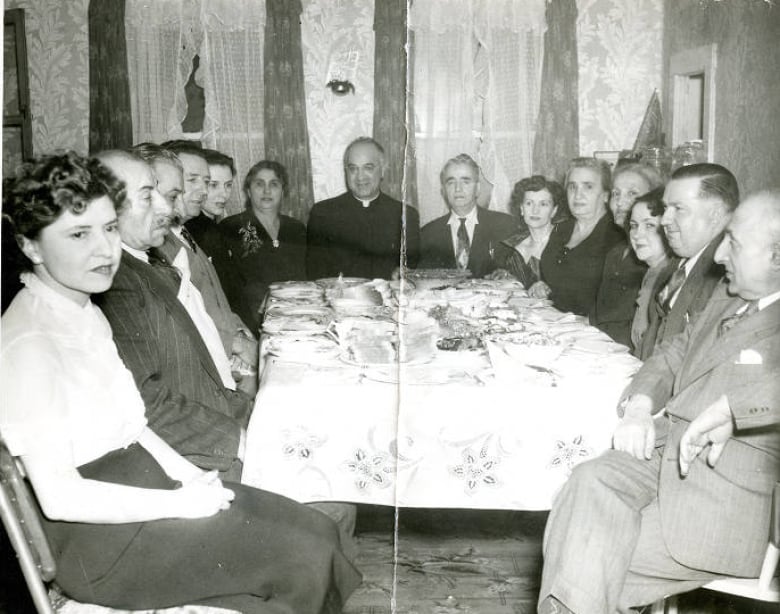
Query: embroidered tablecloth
[[486, 428]]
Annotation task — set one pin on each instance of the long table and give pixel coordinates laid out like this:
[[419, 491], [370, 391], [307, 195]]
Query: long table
[[484, 429]]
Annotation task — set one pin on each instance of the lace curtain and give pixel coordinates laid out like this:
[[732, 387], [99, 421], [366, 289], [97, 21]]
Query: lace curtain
[[475, 90], [163, 36], [231, 67]]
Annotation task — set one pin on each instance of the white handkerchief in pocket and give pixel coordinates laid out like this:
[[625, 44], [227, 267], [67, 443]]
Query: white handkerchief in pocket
[[749, 357]]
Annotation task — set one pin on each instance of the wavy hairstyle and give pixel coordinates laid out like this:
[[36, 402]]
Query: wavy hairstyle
[[47, 186], [535, 183]]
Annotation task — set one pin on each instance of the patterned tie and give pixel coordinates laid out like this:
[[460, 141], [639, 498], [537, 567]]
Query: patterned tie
[[190, 240], [463, 246], [729, 322], [666, 294]]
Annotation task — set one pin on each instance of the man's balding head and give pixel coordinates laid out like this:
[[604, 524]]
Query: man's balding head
[[144, 220], [750, 250]]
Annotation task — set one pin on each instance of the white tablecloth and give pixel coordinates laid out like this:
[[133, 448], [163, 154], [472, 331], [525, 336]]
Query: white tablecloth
[[500, 437]]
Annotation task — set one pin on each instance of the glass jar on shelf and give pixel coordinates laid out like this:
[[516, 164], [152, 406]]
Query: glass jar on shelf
[[658, 157], [690, 152]]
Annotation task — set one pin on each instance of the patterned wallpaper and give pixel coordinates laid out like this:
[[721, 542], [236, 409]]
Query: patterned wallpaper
[[57, 53], [333, 31], [619, 43]]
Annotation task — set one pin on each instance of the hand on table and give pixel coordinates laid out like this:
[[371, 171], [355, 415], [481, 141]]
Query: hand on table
[[635, 433], [714, 426], [203, 496], [539, 290]]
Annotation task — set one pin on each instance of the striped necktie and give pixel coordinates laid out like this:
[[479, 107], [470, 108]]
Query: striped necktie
[[667, 293]]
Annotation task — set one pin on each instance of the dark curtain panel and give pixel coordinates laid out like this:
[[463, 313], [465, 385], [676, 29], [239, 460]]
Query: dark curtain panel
[[286, 133], [110, 123], [557, 128], [390, 69]]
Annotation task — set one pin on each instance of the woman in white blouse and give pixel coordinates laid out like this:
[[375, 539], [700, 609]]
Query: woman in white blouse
[[132, 523]]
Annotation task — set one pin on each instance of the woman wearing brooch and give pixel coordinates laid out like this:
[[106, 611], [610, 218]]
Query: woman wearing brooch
[[259, 246]]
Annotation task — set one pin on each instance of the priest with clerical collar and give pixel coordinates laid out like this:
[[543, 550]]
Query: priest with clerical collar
[[361, 233]]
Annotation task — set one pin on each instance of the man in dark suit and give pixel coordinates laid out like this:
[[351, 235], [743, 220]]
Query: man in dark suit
[[363, 232], [649, 519], [182, 250], [698, 202], [466, 237], [186, 401]]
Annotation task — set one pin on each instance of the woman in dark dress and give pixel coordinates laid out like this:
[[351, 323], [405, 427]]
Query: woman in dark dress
[[260, 245], [538, 204], [573, 261], [623, 271], [132, 524]]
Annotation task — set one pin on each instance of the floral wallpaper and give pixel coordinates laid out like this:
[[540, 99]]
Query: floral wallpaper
[[620, 45], [337, 38], [58, 58]]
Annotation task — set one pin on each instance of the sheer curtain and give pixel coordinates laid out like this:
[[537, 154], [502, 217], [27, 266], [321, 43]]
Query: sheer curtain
[[162, 38], [444, 103], [476, 91], [511, 34], [231, 67]]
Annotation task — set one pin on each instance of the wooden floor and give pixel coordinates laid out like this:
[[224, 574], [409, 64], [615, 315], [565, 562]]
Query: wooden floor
[[437, 562]]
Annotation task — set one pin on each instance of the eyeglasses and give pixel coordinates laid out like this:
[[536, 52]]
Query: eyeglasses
[[562, 256]]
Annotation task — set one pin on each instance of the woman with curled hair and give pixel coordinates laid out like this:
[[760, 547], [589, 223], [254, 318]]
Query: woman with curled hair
[[539, 204], [571, 265], [132, 524], [648, 242], [259, 246], [623, 271]]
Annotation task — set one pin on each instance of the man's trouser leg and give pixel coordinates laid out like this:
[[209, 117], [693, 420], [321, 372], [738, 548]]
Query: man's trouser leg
[[593, 528]]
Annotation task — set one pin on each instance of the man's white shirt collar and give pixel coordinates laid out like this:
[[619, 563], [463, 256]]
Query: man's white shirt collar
[[136, 253]]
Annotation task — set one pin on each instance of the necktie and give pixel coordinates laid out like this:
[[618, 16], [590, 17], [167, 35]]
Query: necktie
[[158, 260], [666, 294], [729, 322], [189, 239], [463, 245]]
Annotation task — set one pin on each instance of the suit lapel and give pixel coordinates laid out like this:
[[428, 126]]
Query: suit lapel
[[692, 285], [478, 247], [712, 349], [162, 290]]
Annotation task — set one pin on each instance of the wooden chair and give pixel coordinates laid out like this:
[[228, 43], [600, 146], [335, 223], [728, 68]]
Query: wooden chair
[[764, 588], [20, 517]]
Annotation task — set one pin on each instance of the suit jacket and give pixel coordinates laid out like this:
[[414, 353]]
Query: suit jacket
[[206, 280], [717, 518], [692, 299], [438, 252], [186, 403], [345, 237]]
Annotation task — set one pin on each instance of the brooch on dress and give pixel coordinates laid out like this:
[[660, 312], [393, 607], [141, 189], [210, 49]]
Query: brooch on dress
[[252, 243]]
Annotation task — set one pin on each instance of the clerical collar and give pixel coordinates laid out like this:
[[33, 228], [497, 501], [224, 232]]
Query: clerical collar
[[136, 253], [365, 203]]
